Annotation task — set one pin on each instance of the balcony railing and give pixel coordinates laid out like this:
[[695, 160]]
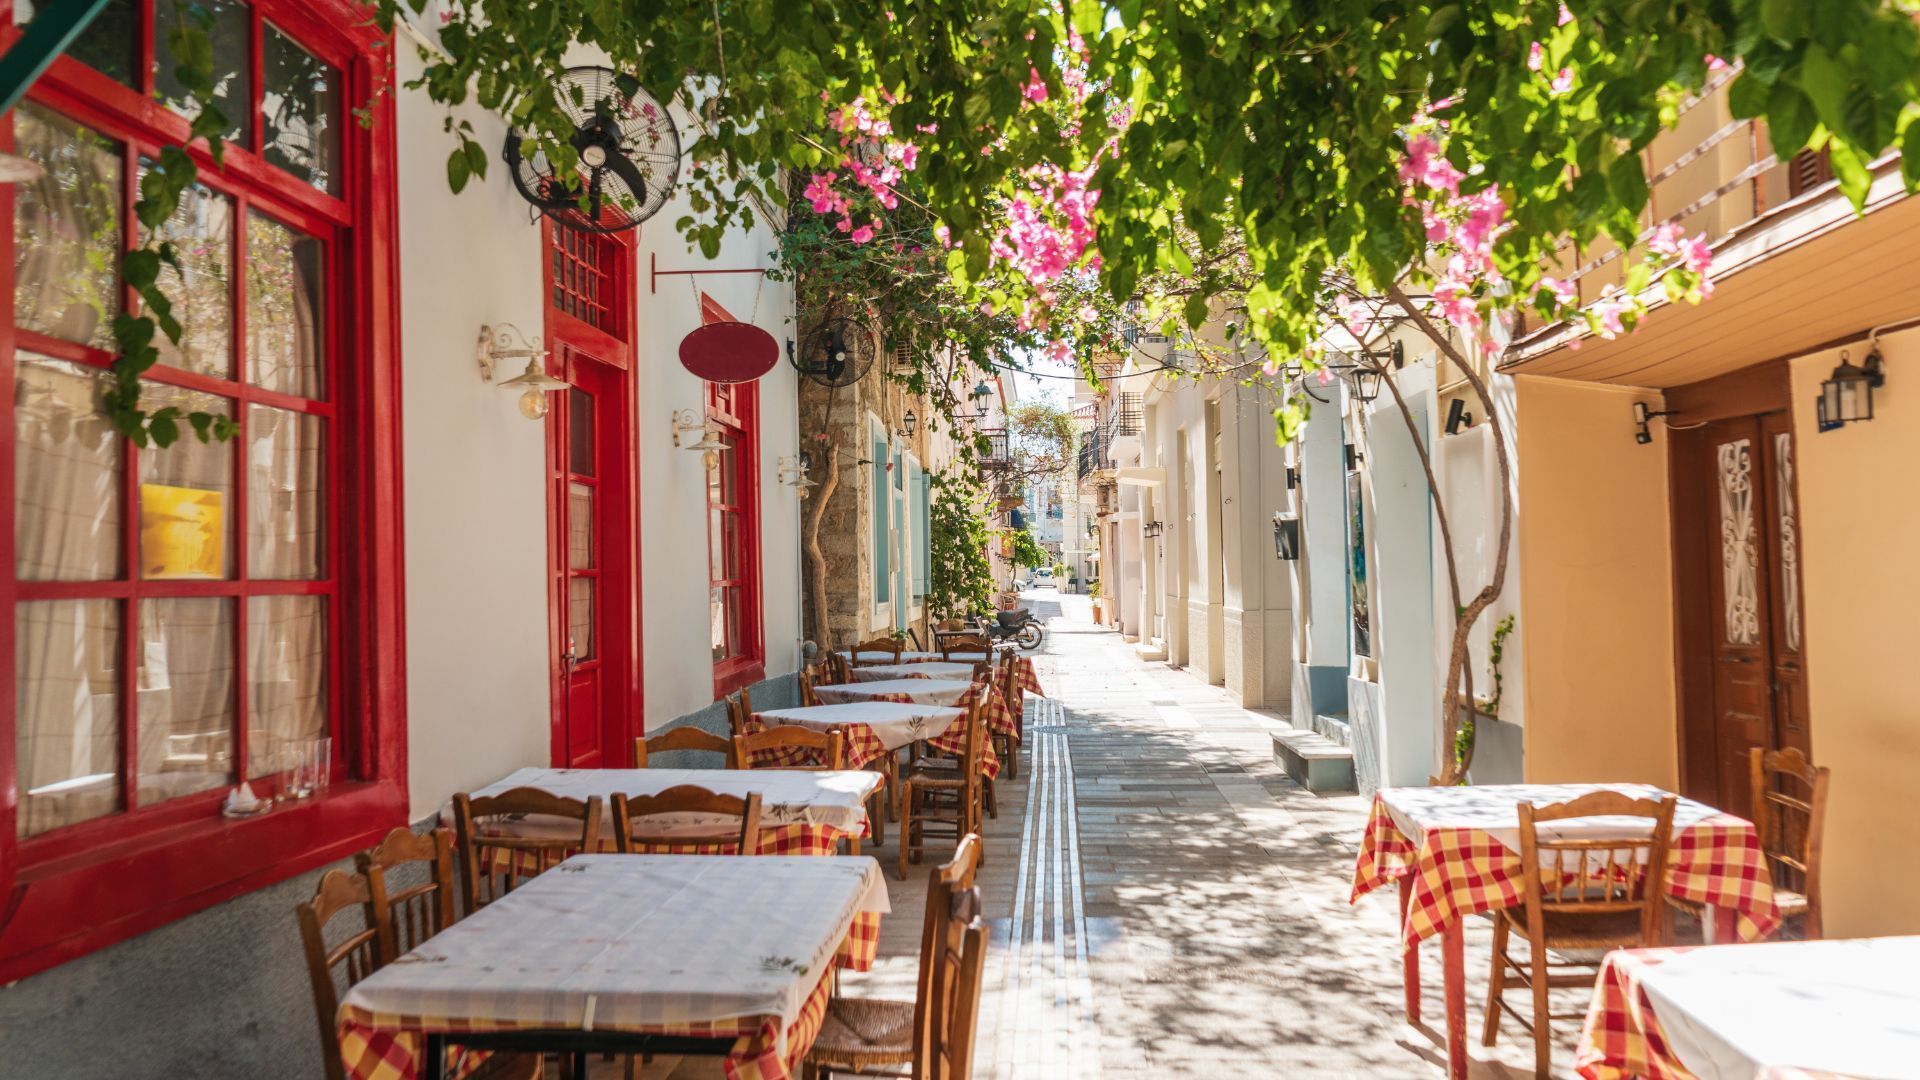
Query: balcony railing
[[1093, 452], [995, 452], [1125, 417]]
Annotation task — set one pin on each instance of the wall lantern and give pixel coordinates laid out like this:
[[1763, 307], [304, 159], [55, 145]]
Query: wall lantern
[[1846, 397], [1354, 457], [1286, 536], [1365, 381], [1458, 418], [793, 473], [909, 423], [688, 421], [1293, 477], [497, 344], [1152, 530], [981, 389], [1641, 416]]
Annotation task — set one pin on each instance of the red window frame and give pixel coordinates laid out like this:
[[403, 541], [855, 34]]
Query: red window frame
[[733, 409], [80, 887]]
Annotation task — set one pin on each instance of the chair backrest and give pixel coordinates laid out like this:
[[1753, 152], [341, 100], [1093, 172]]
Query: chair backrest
[[837, 668], [967, 643], [636, 828], [807, 681], [684, 737], [950, 877], [791, 747], [974, 736], [955, 1060], [1596, 875], [1790, 813], [356, 956], [493, 862], [944, 1016], [888, 645], [410, 914], [1007, 678], [737, 714]]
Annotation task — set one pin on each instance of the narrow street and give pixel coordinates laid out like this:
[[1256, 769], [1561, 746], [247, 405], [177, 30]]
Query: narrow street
[[1166, 902]]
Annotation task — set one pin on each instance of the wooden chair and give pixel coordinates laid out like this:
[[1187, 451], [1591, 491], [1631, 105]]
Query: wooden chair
[[884, 1037], [635, 835], [1790, 815], [410, 914], [964, 643], [807, 681], [889, 645], [684, 737], [357, 956], [989, 798], [838, 669], [1583, 895], [739, 710], [1005, 746], [493, 865], [791, 747], [942, 801]]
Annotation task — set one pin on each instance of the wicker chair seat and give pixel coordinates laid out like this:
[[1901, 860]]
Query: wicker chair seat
[[862, 1034]]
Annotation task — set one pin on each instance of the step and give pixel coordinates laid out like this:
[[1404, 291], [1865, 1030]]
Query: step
[[1313, 760], [1334, 726], [1151, 650]]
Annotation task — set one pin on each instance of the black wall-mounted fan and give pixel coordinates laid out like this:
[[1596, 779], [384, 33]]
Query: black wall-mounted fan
[[629, 154], [837, 352]]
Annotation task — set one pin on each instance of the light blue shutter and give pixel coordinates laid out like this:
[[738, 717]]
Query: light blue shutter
[[882, 503]]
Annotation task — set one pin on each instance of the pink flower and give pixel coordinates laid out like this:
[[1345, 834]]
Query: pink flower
[[1456, 305], [862, 234], [1036, 88], [1563, 82], [1535, 55], [1564, 292], [1426, 165], [1566, 16], [1714, 63], [1695, 255], [1666, 239]]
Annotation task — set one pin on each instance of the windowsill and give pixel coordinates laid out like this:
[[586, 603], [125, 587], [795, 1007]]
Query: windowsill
[[731, 675], [69, 904]]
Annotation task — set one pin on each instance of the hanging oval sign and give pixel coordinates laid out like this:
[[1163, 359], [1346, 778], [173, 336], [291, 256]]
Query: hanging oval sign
[[729, 352]]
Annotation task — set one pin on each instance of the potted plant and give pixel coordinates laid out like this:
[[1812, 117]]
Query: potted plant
[[1093, 590]]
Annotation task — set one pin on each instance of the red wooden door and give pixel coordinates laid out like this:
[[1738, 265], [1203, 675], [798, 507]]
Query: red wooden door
[[591, 495]]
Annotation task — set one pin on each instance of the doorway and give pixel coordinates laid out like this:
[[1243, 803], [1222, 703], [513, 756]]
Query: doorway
[[1741, 636], [591, 460]]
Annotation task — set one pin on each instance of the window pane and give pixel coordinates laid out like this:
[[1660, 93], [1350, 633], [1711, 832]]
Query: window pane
[[287, 673], [580, 616], [717, 621], [66, 474], [201, 232], [107, 44], [185, 491], [580, 431], [730, 467], [298, 106], [68, 674], [232, 82], [735, 618], [734, 546], [285, 308], [286, 456], [66, 230], [580, 527], [186, 705]]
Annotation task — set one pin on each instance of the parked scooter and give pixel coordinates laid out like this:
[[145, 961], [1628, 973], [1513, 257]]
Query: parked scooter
[[1018, 626]]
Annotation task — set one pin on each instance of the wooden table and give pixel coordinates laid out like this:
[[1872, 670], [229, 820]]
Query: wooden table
[[801, 812], [1777, 1010], [1455, 852], [628, 954]]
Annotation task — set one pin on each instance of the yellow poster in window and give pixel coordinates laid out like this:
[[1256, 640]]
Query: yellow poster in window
[[182, 532]]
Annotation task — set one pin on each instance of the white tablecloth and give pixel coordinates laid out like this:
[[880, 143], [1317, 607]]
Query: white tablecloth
[[931, 669], [1495, 810], [922, 691], [878, 657], [1850, 1008], [787, 797], [894, 724], [636, 941]]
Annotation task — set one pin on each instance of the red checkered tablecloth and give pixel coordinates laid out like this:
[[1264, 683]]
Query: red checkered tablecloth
[[1459, 871], [864, 747], [1622, 1037]]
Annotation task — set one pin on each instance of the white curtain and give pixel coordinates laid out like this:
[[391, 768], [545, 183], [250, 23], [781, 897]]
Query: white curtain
[[287, 669], [285, 457]]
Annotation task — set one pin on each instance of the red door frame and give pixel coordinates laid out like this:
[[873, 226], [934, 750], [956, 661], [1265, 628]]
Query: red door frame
[[70, 895], [751, 665], [619, 506]]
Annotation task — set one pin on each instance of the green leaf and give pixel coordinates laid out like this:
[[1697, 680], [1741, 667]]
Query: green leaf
[[164, 429], [1747, 97], [1782, 19], [1910, 156], [1628, 181], [141, 268], [1825, 82], [458, 169], [1851, 171], [1790, 120], [1196, 310], [1442, 20]]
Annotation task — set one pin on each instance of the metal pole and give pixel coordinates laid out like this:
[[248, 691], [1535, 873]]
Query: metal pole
[[46, 37]]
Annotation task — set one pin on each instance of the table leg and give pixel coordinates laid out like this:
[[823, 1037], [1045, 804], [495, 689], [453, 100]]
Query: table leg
[[1409, 956], [434, 1063], [1717, 925], [1452, 942]]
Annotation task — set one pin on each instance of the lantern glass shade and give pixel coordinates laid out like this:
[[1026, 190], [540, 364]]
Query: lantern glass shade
[[910, 421], [1847, 394], [1366, 383]]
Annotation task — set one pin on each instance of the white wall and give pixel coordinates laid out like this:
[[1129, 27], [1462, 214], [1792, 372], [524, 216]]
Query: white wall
[[475, 498], [674, 639], [1400, 542]]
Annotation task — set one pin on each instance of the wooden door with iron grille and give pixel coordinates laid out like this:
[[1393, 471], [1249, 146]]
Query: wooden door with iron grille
[[1742, 632], [591, 495]]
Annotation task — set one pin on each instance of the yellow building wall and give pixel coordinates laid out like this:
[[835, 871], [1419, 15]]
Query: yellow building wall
[[1860, 533], [1596, 609]]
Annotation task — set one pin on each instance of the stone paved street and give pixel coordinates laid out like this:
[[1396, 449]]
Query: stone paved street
[[1167, 903]]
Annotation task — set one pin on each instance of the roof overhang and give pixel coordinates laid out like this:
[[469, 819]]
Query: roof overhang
[[1807, 275]]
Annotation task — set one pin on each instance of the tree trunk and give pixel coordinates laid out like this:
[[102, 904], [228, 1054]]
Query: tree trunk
[[817, 581]]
